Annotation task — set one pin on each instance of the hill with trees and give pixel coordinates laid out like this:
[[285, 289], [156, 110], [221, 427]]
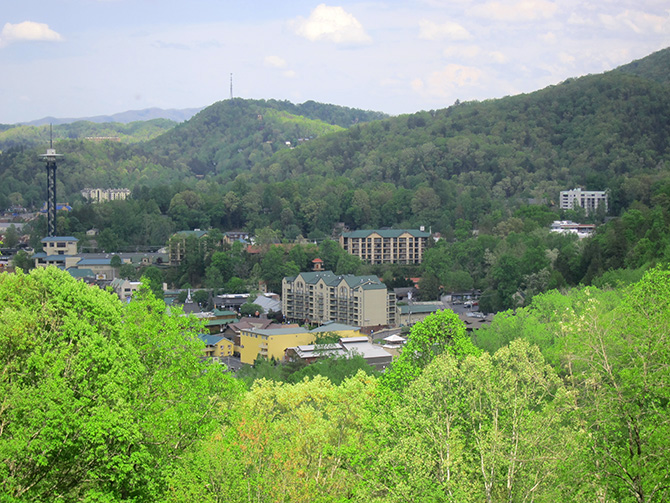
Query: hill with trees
[[486, 175], [27, 136]]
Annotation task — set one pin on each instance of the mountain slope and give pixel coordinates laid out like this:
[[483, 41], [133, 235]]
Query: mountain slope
[[593, 131], [233, 135], [653, 67]]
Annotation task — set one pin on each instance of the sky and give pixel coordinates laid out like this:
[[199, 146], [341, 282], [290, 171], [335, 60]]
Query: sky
[[81, 58]]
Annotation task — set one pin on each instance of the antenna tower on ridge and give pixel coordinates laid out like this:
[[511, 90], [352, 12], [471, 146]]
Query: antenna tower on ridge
[[231, 86]]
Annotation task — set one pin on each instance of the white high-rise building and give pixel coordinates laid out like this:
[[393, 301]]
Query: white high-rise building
[[590, 200]]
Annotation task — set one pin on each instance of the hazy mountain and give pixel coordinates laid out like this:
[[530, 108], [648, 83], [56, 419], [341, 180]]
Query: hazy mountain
[[176, 115]]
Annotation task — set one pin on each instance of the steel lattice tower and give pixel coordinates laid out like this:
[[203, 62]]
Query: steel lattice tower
[[50, 158]]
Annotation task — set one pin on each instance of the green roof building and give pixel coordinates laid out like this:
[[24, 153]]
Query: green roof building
[[322, 296]]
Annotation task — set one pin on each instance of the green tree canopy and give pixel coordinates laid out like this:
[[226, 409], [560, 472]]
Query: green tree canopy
[[99, 398]]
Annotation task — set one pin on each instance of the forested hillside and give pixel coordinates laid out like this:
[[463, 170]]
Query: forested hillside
[[226, 137], [486, 175], [234, 135], [25, 136]]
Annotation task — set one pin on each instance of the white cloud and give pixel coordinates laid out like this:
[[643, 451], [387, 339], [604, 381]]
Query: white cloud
[[275, 61], [470, 52], [445, 82], [548, 38], [636, 21], [498, 57], [27, 31], [462, 51], [333, 24], [433, 31], [578, 20], [515, 10], [566, 58]]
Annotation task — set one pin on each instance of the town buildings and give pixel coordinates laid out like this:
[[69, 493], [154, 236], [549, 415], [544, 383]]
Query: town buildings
[[61, 251], [589, 200], [393, 246], [322, 296]]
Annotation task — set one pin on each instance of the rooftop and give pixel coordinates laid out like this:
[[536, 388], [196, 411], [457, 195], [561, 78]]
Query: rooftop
[[59, 238]]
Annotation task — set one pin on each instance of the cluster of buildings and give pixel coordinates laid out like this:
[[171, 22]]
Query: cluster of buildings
[[61, 252], [256, 338], [348, 307]]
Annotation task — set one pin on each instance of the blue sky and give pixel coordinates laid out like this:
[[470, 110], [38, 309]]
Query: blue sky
[[76, 58]]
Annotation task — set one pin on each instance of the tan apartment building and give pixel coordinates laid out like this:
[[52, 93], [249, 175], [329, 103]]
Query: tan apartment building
[[392, 246], [321, 296]]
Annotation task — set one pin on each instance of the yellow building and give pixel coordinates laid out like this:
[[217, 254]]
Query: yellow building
[[216, 346], [271, 343]]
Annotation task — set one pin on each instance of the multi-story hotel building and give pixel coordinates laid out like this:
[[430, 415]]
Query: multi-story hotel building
[[394, 246], [102, 195], [590, 200], [321, 296]]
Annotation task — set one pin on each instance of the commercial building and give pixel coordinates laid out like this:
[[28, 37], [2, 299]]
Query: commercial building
[[271, 343], [61, 252], [567, 227], [347, 347], [589, 200], [393, 246], [321, 296]]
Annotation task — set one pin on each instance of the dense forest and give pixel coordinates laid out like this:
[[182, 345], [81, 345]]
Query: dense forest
[[485, 175], [564, 400]]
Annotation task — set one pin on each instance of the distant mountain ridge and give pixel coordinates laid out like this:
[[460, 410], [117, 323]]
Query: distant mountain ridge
[[173, 114]]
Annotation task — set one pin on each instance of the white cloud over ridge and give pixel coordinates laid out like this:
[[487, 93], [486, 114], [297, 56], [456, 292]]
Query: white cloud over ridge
[[333, 24], [445, 82], [28, 31]]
